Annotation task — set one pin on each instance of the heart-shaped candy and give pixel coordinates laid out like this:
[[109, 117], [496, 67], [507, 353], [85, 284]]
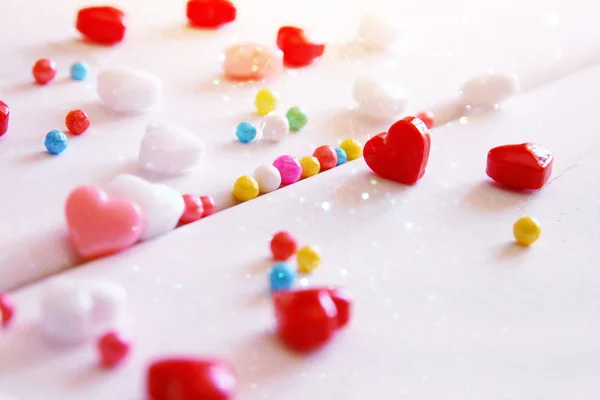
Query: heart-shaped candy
[[378, 31], [308, 318], [251, 62], [169, 148], [298, 49], [126, 90], [401, 153], [100, 226], [112, 348], [381, 100], [190, 378], [4, 114], [486, 91], [520, 166], [102, 25], [210, 13], [161, 206]]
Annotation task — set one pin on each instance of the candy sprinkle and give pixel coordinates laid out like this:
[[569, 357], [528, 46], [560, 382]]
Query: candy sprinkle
[[308, 258], [283, 245], [245, 132], [245, 188], [266, 101], [297, 118], [79, 71], [44, 71], [281, 277], [352, 147], [527, 231], [310, 166], [56, 142], [77, 122]]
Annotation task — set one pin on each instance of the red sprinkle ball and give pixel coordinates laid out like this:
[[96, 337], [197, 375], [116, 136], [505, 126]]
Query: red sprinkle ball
[[102, 25], [4, 114], [113, 348], [327, 157], [283, 245], [7, 310], [194, 209], [210, 13], [77, 122], [44, 71], [209, 206]]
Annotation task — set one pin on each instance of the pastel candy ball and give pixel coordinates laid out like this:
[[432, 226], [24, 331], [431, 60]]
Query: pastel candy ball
[[289, 168], [527, 231], [251, 62], [310, 166], [274, 127], [296, 118], [352, 147], [245, 188], [281, 277], [341, 156], [327, 157], [308, 258], [266, 101], [56, 142], [79, 71], [245, 132], [268, 178]]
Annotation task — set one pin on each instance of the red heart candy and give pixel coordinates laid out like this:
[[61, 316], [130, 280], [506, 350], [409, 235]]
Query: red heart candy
[[113, 348], [210, 13], [100, 226], [7, 310], [298, 50], [521, 166], [102, 25], [4, 114], [190, 378], [307, 319], [401, 153]]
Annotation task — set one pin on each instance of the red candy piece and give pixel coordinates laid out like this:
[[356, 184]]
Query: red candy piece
[[208, 203], [427, 117], [298, 50], [189, 378], [327, 157], [4, 114], [194, 209], [77, 122], [7, 310], [308, 318], [520, 166], [44, 71], [401, 153], [210, 13], [102, 25], [113, 348], [283, 245]]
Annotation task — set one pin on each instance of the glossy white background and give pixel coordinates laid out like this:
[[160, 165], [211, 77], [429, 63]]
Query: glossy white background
[[446, 305]]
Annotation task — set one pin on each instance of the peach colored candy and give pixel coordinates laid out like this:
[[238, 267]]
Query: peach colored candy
[[99, 226], [251, 62]]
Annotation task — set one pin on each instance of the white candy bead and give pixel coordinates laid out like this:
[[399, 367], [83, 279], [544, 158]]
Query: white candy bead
[[169, 148], [161, 206], [268, 178], [488, 90], [274, 127], [127, 90], [381, 100], [377, 31]]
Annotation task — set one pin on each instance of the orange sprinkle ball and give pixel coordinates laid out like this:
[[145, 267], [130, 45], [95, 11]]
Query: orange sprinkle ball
[[77, 122], [327, 157]]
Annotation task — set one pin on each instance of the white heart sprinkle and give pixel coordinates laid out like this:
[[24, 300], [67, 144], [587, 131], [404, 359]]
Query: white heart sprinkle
[[488, 90], [377, 31], [274, 127], [161, 206], [268, 178], [381, 100], [127, 90]]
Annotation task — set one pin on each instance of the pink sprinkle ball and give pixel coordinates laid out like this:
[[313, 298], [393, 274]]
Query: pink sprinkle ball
[[208, 205], [44, 71], [289, 168]]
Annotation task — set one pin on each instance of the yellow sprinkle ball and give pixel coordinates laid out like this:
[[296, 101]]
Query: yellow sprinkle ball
[[527, 231], [308, 258], [266, 101], [245, 188], [352, 147], [310, 166]]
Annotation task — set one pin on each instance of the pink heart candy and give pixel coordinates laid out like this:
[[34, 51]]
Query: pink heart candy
[[99, 226]]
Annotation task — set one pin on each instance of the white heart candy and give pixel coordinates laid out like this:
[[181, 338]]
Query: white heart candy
[[161, 206], [381, 100], [169, 148], [377, 31], [127, 90], [74, 311], [488, 90]]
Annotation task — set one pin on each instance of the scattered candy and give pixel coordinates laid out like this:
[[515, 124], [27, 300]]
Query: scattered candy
[[4, 115], [310, 166], [245, 188], [245, 132], [281, 276], [268, 178], [380, 100], [112, 348], [194, 209], [427, 117], [74, 311], [289, 168], [210, 13], [7, 310], [169, 148], [488, 90], [298, 50], [401, 153], [297, 118], [266, 101], [251, 62], [520, 166], [377, 31], [79, 71], [208, 203], [100, 226], [341, 156], [77, 122], [527, 231], [274, 127], [327, 157], [56, 142], [307, 319], [190, 378], [44, 71], [283, 245], [128, 91], [352, 147], [102, 25], [308, 258], [161, 206]]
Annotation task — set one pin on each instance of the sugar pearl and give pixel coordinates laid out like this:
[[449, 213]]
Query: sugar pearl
[[341, 156], [245, 188], [4, 117], [266, 101], [245, 132], [274, 127], [352, 147], [308, 259], [56, 142], [44, 71], [297, 118], [527, 231], [327, 157], [268, 178], [208, 203], [289, 168], [194, 209], [77, 122], [310, 166], [281, 276], [79, 71], [283, 245]]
